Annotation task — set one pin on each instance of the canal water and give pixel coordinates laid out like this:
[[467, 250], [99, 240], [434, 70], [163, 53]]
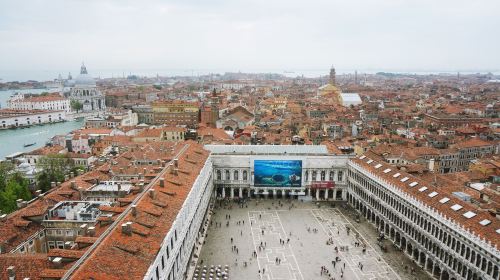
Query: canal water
[[13, 140]]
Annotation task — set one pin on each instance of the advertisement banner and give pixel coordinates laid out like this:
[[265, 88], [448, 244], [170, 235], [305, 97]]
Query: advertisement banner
[[277, 173]]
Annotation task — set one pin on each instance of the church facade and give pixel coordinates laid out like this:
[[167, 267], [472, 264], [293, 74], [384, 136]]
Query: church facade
[[85, 91]]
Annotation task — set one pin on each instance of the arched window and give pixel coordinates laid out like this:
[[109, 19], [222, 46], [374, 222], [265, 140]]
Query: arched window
[[332, 173], [219, 175], [340, 176], [228, 176], [235, 175], [314, 174], [245, 175], [323, 175]]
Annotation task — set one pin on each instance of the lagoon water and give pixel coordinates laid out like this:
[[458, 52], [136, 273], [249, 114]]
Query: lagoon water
[[13, 140]]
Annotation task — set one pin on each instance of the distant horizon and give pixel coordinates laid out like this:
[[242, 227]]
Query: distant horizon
[[49, 75]]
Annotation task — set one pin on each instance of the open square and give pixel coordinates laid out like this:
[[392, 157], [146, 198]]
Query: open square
[[293, 240]]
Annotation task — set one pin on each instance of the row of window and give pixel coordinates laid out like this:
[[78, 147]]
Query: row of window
[[313, 177], [363, 184], [183, 253]]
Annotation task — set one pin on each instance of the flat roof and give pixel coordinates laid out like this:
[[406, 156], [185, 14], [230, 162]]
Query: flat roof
[[267, 149], [111, 186]]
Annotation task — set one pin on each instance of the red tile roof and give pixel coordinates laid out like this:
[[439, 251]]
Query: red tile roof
[[25, 265], [121, 256], [484, 232]]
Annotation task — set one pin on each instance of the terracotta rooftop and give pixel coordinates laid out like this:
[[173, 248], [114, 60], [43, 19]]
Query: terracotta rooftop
[[120, 256], [25, 265], [488, 232]]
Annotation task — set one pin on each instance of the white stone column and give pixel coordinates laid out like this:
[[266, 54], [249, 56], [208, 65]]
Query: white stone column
[[232, 192], [223, 192], [326, 193], [241, 193], [317, 194]]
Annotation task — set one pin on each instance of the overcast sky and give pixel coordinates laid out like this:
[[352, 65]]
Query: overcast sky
[[434, 35]]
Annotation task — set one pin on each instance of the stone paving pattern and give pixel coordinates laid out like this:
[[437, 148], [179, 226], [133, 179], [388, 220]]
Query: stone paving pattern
[[307, 250]]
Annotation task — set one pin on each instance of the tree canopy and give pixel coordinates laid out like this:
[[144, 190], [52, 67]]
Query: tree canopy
[[54, 168], [13, 186], [76, 105]]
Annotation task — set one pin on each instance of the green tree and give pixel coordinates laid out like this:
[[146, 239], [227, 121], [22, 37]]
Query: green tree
[[7, 201], [13, 186], [76, 105], [54, 168]]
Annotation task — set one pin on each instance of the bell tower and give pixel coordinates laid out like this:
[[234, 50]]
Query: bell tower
[[332, 75]]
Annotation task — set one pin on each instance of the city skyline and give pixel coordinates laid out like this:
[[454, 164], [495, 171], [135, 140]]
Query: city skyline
[[249, 36]]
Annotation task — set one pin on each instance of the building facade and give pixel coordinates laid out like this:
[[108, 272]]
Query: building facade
[[20, 118], [85, 91], [322, 175], [443, 234], [174, 113], [53, 102]]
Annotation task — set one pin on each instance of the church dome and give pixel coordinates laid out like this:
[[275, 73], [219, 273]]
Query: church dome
[[24, 167], [84, 79]]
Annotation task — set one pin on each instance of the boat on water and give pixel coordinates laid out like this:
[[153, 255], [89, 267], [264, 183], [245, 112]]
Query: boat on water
[[29, 144]]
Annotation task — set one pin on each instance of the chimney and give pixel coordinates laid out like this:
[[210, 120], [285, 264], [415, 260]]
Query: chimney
[[176, 170], [176, 162], [67, 245], [57, 261], [38, 192], [3, 217], [136, 169], [71, 174], [144, 171], [80, 191], [431, 165], [152, 193], [91, 231], [83, 229], [11, 272], [134, 210], [19, 203], [58, 184], [140, 175], [24, 204], [121, 170], [66, 177], [73, 184], [52, 185], [162, 182], [127, 228]]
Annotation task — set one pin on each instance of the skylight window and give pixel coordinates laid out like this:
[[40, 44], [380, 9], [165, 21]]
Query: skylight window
[[396, 175], [405, 179], [433, 194], [413, 184], [422, 189], [369, 161], [469, 214], [498, 231], [456, 207], [485, 222], [378, 166], [444, 200], [362, 157], [387, 170]]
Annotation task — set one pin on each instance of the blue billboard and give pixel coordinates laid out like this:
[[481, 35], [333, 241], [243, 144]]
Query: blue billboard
[[277, 173]]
